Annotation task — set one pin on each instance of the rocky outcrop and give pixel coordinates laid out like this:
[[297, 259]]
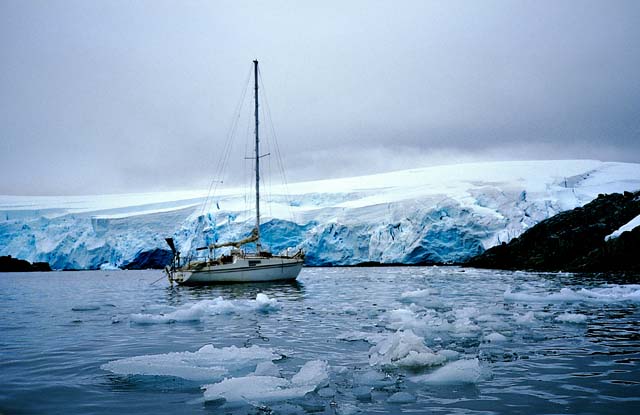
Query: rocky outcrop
[[9, 264], [574, 240]]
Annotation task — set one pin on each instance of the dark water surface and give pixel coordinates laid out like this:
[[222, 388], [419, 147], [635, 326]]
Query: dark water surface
[[544, 343]]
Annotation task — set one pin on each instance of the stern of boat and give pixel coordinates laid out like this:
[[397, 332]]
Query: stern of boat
[[177, 276]]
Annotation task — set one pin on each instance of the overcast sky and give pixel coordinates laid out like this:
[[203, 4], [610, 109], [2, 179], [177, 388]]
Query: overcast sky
[[123, 96]]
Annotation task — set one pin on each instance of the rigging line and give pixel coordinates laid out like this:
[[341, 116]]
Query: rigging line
[[226, 147], [248, 180], [274, 133], [277, 149], [269, 179], [227, 143]]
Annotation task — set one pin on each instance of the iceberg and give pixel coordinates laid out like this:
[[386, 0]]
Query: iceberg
[[441, 214]]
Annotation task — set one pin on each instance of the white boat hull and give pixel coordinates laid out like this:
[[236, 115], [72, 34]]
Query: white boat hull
[[243, 270]]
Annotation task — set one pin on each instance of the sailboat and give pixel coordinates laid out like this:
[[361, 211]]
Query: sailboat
[[237, 265]]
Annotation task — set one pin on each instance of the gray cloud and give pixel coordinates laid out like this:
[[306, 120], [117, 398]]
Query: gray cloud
[[126, 96]]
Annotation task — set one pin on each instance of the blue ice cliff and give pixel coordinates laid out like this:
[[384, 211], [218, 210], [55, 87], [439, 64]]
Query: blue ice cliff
[[440, 214]]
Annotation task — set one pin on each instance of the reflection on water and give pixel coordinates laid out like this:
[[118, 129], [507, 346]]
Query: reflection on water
[[544, 343]]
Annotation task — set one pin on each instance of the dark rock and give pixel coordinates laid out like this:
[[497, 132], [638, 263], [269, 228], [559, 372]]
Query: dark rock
[[9, 264], [574, 240], [153, 259]]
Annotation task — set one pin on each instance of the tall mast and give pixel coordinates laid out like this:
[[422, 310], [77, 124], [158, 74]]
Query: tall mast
[[255, 76]]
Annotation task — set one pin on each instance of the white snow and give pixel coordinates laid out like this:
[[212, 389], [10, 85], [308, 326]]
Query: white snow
[[627, 227], [208, 363], [442, 213]]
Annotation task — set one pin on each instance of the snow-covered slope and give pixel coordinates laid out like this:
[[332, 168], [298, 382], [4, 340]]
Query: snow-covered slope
[[438, 214]]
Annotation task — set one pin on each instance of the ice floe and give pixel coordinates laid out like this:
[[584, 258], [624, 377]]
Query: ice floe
[[404, 349], [368, 378], [401, 397], [208, 363], [426, 297], [527, 318], [267, 368], [495, 337], [572, 318], [458, 372], [606, 294], [201, 309], [355, 335], [239, 391]]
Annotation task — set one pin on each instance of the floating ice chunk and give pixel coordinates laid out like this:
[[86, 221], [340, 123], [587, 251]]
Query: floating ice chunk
[[266, 304], [287, 409], [401, 397], [565, 295], [372, 378], [417, 294], [208, 363], [495, 337], [267, 368], [197, 311], [362, 393], [612, 293], [327, 392], [426, 297], [347, 409], [420, 359], [189, 312], [403, 349], [463, 325], [605, 294], [526, 318], [315, 372], [449, 354], [263, 389], [254, 389], [460, 371], [572, 318], [360, 335], [405, 319]]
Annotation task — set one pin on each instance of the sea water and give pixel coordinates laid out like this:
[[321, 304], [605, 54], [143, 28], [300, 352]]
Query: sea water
[[339, 340]]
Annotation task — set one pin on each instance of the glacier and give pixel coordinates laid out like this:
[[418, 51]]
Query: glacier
[[440, 214]]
